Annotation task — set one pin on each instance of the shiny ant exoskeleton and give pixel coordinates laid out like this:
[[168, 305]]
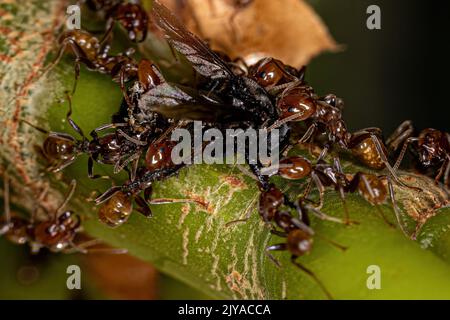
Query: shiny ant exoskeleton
[[117, 202], [432, 147], [373, 188], [299, 103], [56, 233], [273, 75], [131, 15], [117, 148], [94, 54], [299, 239], [321, 174]]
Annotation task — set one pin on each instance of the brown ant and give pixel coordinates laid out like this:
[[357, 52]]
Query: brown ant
[[273, 75], [373, 188], [299, 239], [131, 15], [56, 234], [117, 201], [299, 103], [118, 148], [94, 54], [322, 174], [431, 145]]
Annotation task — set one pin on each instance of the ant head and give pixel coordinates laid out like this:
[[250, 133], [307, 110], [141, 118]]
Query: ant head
[[269, 202], [59, 147], [297, 103], [267, 72], [299, 242], [134, 19], [431, 146]]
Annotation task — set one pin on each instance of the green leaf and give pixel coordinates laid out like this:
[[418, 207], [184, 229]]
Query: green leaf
[[198, 246]]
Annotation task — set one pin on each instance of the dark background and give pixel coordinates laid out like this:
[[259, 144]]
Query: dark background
[[389, 75]]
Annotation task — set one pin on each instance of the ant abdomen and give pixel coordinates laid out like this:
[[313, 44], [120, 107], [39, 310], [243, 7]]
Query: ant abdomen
[[58, 148], [378, 192], [367, 153], [116, 210], [299, 242], [294, 168], [86, 42]]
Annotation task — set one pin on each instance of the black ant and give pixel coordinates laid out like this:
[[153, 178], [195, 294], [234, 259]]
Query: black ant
[[57, 233], [432, 147], [131, 15], [118, 148]]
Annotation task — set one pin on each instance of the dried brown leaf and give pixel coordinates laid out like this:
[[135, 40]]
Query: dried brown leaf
[[289, 30]]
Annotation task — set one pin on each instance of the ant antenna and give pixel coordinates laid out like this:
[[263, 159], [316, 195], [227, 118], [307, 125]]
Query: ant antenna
[[69, 195]]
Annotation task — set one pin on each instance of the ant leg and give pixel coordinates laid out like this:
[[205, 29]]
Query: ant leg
[[403, 132], [143, 207], [73, 185], [403, 152], [312, 275], [338, 168], [84, 248], [275, 247], [323, 216], [278, 233], [131, 139], [94, 133], [447, 173], [396, 207], [35, 126], [107, 195], [91, 174], [442, 169], [70, 120], [320, 188], [119, 166], [107, 36], [309, 133], [383, 156], [62, 165]]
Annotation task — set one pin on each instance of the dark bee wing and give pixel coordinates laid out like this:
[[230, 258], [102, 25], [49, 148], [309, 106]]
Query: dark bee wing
[[203, 59], [187, 104]]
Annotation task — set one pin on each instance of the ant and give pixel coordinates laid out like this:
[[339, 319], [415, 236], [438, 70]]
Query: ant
[[299, 239], [431, 145], [118, 148], [322, 174], [373, 188], [94, 54], [299, 103], [117, 203], [273, 74], [131, 15], [56, 234]]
